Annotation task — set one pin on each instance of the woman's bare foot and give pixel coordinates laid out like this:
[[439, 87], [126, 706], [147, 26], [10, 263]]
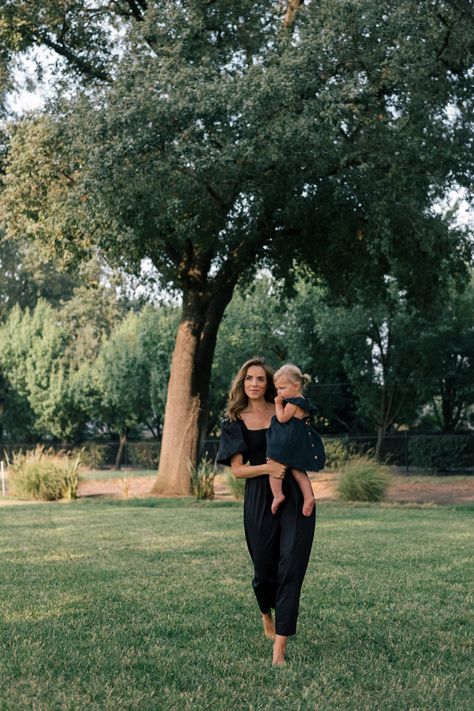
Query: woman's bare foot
[[279, 651], [268, 625], [276, 503], [308, 506]]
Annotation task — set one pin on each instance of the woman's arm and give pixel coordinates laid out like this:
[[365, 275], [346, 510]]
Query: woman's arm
[[250, 471]]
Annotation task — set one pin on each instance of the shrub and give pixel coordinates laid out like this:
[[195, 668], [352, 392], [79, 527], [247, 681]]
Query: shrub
[[363, 479], [144, 454], [45, 476], [236, 486], [202, 478], [338, 452], [95, 455], [441, 452]]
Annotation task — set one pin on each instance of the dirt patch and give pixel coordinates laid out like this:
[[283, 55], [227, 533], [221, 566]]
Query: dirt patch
[[137, 486], [438, 490], [442, 492]]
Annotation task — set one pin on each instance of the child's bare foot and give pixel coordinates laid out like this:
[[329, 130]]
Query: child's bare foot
[[276, 503], [279, 650], [308, 506], [268, 625]]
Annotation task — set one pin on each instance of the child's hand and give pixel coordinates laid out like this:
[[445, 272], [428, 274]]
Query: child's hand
[[279, 400]]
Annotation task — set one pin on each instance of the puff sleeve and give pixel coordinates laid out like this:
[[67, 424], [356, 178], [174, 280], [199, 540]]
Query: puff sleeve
[[304, 403], [231, 442]]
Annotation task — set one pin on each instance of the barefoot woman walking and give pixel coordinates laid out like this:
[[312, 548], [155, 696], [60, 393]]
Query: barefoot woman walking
[[279, 545]]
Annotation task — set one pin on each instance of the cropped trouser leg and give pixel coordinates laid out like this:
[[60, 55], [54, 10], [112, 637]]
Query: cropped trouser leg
[[264, 545], [280, 547], [296, 538]]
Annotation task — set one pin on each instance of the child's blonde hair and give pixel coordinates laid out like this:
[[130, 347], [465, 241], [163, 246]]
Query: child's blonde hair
[[294, 374]]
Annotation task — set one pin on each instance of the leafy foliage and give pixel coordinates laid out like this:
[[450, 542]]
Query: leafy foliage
[[446, 354], [338, 452], [441, 454], [144, 454], [28, 275], [132, 370]]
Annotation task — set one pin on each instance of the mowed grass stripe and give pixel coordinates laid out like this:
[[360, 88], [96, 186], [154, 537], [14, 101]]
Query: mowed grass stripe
[[148, 605]]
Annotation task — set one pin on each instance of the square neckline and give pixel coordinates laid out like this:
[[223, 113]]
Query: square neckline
[[260, 429]]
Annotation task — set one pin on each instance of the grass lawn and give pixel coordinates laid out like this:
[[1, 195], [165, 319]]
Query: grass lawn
[[142, 604]]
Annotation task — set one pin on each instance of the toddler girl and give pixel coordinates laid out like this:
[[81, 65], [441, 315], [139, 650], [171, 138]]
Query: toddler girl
[[291, 439]]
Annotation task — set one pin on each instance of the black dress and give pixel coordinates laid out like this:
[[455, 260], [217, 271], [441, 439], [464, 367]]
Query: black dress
[[296, 443], [279, 545]]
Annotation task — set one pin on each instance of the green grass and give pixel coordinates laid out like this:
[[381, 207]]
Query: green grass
[[147, 604]]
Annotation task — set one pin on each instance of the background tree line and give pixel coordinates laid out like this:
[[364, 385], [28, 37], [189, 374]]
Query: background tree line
[[80, 358]]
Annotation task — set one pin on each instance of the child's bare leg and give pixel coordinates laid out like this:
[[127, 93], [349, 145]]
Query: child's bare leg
[[276, 485], [307, 491], [268, 625]]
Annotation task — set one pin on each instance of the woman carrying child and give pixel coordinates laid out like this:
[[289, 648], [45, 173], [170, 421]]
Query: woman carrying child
[[279, 545]]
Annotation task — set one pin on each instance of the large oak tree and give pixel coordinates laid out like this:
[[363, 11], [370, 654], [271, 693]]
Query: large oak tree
[[214, 137]]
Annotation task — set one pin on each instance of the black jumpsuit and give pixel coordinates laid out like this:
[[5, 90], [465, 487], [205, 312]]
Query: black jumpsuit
[[279, 545]]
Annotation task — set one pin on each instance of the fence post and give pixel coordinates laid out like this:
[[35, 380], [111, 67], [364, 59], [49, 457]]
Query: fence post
[[407, 464], [3, 477]]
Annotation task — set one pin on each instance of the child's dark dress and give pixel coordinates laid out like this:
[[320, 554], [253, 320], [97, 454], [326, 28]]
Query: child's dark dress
[[296, 443]]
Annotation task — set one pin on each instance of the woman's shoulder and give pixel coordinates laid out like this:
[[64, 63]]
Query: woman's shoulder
[[231, 428], [231, 441]]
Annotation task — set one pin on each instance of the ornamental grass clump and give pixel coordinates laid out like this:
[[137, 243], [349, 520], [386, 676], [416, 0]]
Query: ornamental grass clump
[[202, 478], [42, 475], [363, 479]]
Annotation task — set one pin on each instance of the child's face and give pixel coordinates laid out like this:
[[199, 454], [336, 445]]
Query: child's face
[[286, 387]]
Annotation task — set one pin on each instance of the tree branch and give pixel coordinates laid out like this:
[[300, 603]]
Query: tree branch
[[137, 8], [84, 66], [217, 198], [290, 14], [172, 253]]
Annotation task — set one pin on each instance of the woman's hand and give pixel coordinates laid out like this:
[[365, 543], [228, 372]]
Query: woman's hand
[[275, 469]]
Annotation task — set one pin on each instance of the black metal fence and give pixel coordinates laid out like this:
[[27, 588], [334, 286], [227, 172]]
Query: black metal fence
[[411, 451], [415, 451]]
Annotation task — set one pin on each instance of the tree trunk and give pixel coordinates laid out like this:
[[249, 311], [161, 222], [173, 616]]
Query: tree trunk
[[448, 400], [121, 447], [188, 388], [291, 9], [379, 443]]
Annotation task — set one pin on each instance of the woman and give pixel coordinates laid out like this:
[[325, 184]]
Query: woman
[[279, 545]]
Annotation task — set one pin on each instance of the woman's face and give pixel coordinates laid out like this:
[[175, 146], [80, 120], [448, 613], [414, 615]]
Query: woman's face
[[255, 382]]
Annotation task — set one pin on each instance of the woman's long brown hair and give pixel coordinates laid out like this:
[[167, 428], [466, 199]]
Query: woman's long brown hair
[[237, 399]]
